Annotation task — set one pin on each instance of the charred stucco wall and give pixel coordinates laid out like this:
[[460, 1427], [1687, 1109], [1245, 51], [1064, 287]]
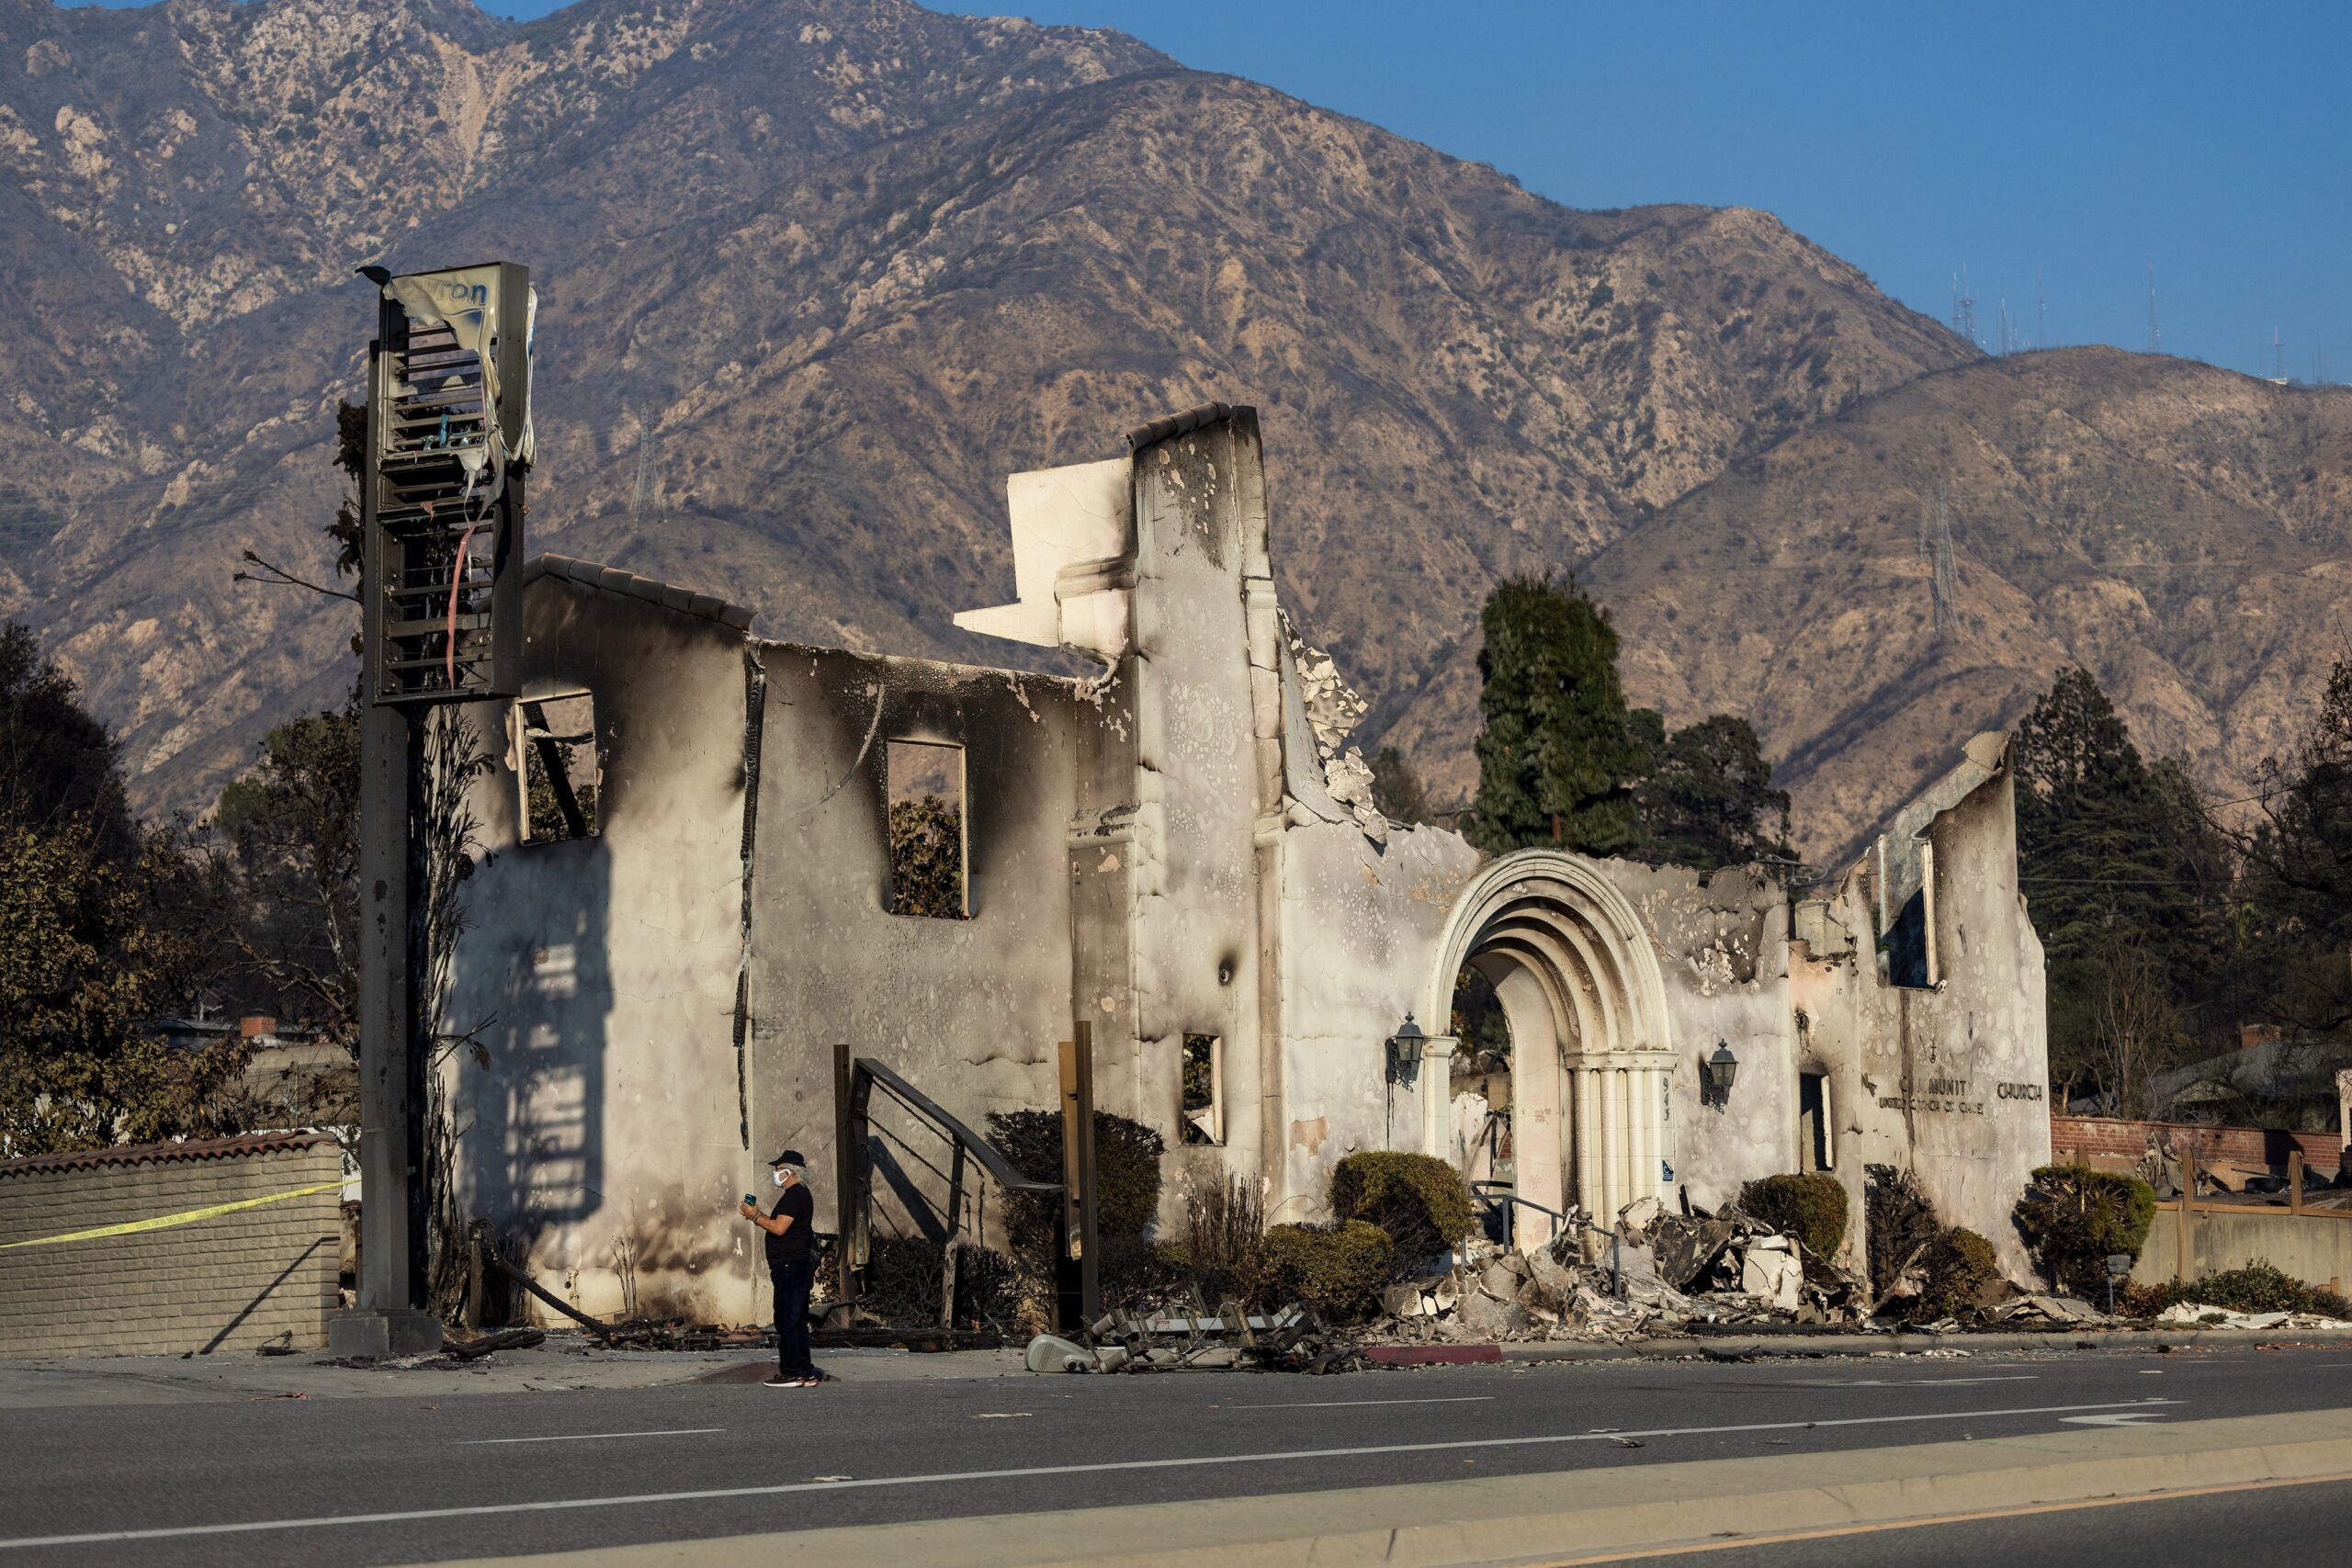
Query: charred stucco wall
[[604, 1128], [1722, 945], [1949, 1080], [969, 1010], [1206, 768], [1361, 926], [1161, 852]]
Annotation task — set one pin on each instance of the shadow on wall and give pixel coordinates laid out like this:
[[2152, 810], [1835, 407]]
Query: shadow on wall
[[537, 1139]]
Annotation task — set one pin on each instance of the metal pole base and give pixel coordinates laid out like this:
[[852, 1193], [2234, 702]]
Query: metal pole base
[[379, 1334]]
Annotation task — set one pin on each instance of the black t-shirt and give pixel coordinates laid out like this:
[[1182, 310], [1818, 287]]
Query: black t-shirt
[[796, 1243]]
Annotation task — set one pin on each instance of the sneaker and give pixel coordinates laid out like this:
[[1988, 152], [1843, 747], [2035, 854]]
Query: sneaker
[[780, 1380]]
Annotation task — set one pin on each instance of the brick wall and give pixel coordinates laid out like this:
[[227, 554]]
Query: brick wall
[[226, 1283], [2095, 1137]]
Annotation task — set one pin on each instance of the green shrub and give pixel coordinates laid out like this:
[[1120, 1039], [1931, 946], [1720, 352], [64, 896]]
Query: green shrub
[[1811, 1208], [1420, 1200], [2073, 1218], [1126, 1178], [2258, 1287], [1958, 1265], [1337, 1269]]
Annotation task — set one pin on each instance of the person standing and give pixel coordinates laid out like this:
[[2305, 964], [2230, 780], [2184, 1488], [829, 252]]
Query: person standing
[[792, 1267]]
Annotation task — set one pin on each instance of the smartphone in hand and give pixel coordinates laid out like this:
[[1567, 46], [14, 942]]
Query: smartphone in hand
[[754, 1202]]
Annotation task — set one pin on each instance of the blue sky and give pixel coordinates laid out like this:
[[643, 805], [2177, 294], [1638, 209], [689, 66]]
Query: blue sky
[[2067, 140]]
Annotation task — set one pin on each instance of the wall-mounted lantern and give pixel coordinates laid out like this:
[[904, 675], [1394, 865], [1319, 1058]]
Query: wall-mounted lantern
[[1405, 1051], [1717, 1074]]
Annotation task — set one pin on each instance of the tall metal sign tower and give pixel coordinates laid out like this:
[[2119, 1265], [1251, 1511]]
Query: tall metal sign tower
[[441, 519]]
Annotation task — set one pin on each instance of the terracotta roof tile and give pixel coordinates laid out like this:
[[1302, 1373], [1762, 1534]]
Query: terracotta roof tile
[[613, 580], [157, 1154]]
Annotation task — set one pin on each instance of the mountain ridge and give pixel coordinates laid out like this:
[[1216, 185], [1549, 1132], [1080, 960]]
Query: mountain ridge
[[834, 269]]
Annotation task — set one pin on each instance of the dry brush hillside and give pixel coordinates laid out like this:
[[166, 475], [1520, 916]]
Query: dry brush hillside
[[2184, 531], [834, 267]]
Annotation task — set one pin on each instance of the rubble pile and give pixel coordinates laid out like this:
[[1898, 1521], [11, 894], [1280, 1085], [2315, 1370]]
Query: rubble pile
[[1655, 1273], [2198, 1314]]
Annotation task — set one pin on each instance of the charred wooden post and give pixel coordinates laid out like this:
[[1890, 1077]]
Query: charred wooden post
[[849, 1184], [951, 1247], [1077, 1156]]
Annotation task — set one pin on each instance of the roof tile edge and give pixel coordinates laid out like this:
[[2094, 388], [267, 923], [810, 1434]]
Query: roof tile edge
[[662, 595]]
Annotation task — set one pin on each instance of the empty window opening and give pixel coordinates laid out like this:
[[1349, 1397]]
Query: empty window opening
[[1815, 1151], [1905, 946], [927, 832], [1203, 1109], [562, 775]]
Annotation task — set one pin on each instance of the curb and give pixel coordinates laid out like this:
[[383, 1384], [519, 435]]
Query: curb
[[1432, 1355], [1740, 1346]]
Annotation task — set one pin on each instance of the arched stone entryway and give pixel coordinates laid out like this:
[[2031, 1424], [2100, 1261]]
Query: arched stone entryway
[[1591, 1052]]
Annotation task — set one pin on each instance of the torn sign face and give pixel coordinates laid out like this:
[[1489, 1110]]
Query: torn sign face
[[476, 304]]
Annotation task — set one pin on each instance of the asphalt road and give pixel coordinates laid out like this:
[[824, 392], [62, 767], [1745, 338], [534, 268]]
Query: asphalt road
[[398, 1480]]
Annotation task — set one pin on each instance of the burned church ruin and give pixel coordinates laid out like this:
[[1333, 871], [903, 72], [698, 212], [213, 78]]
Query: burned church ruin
[[690, 896]]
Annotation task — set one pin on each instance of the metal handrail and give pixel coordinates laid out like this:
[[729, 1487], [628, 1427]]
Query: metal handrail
[[1499, 1193], [991, 1159]]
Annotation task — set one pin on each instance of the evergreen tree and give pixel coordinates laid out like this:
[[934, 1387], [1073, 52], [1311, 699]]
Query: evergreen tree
[[2114, 857], [284, 880], [85, 958], [2298, 851], [57, 762], [1708, 799], [1557, 751]]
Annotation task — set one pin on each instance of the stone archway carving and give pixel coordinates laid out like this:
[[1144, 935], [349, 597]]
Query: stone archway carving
[[1592, 1049]]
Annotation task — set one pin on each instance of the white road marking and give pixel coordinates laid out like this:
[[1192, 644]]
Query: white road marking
[[2120, 1418], [1351, 1404], [1922, 1382], [589, 1437], [1026, 1472]]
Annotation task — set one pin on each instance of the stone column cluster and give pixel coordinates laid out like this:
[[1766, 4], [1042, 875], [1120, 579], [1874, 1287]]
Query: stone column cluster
[[1619, 1129]]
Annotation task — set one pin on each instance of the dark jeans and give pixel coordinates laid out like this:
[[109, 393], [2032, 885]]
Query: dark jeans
[[792, 1281]]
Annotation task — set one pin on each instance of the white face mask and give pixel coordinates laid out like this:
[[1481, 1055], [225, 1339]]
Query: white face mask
[[778, 1178]]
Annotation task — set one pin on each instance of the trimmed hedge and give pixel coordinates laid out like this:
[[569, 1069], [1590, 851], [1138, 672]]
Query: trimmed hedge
[[1419, 1201], [1337, 1269], [1811, 1208], [2073, 1218], [1959, 1264]]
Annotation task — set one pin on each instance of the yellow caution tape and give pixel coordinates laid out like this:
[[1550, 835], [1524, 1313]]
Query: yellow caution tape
[[166, 1222]]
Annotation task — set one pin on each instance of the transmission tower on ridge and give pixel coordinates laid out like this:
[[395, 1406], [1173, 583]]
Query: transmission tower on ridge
[[1935, 546], [2040, 312], [642, 500], [1947, 572], [2155, 337], [1963, 308]]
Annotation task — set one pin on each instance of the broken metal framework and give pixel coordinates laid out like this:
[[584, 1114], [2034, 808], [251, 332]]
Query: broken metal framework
[[448, 440]]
